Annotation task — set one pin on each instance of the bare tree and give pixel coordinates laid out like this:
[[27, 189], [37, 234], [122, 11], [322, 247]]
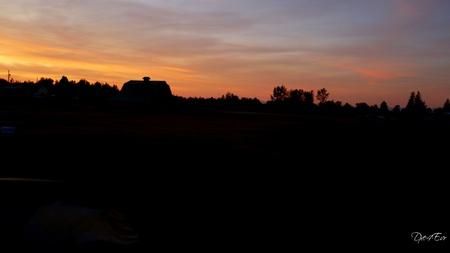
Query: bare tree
[[322, 95]]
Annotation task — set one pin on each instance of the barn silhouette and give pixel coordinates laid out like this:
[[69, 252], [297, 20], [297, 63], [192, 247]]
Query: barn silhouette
[[145, 92]]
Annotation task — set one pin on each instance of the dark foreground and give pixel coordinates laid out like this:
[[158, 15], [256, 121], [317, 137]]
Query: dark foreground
[[240, 181]]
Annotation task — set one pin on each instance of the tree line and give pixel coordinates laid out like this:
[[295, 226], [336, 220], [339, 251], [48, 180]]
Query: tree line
[[298, 101], [58, 93], [282, 100]]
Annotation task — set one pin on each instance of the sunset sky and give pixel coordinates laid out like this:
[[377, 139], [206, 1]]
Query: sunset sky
[[360, 51]]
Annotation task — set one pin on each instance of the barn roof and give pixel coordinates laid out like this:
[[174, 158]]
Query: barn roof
[[139, 90]]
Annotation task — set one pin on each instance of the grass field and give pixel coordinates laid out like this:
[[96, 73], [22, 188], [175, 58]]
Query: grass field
[[226, 177]]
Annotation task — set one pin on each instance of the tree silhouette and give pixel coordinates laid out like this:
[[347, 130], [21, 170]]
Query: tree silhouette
[[64, 80], [446, 106], [330, 107], [347, 110], [291, 101], [419, 104], [384, 109], [64, 89], [309, 97], [362, 110], [64, 92], [300, 101], [296, 96], [3, 82], [280, 93], [415, 107], [47, 82], [299, 96], [374, 110], [396, 111], [229, 101], [322, 95], [230, 97], [410, 104]]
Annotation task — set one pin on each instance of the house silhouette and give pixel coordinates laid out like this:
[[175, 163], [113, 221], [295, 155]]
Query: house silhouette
[[143, 92]]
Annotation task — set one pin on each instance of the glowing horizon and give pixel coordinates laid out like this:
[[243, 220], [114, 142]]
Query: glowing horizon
[[359, 51]]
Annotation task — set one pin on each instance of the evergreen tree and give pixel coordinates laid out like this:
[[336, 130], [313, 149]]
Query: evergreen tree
[[384, 109], [410, 104], [446, 107], [419, 105], [415, 107]]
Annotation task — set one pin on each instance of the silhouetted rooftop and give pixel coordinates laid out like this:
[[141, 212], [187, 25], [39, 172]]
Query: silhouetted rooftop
[[139, 90]]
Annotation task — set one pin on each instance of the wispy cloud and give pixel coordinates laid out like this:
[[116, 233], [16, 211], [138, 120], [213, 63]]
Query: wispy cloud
[[207, 47]]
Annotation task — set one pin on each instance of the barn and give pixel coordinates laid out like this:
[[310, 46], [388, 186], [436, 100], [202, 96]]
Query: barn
[[145, 92]]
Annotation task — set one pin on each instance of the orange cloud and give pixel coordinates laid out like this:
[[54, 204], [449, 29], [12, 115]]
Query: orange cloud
[[378, 72], [177, 69]]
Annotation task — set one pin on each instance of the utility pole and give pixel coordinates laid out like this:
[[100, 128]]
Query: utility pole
[[9, 76]]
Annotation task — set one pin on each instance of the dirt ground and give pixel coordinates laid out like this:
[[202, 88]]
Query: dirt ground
[[218, 180]]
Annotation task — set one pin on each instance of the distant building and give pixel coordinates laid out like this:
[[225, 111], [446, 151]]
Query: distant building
[[41, 92], [144, 92]]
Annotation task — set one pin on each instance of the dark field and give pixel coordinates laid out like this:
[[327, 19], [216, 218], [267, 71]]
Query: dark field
[[241, 181]]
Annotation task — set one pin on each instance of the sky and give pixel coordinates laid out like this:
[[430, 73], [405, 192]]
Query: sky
[[359, 51]]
